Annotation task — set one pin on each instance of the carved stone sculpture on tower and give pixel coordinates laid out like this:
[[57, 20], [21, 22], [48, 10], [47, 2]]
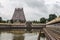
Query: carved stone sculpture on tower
[[18, 15]]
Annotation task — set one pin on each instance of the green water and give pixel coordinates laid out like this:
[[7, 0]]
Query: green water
[[25, 36]]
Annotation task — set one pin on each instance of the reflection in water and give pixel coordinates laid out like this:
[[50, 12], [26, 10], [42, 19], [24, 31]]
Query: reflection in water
[[42, 38], [6, 36], [27, 36], [31, 36]]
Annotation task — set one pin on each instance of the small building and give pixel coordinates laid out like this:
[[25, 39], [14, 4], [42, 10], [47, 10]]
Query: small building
[[55, 22]]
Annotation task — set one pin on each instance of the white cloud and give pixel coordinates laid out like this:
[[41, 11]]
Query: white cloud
[[33, 9]]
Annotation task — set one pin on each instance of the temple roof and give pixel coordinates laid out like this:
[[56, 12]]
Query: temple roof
[[19, 14]]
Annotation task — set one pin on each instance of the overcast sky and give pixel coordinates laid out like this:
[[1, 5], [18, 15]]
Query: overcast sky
[[33, 9]]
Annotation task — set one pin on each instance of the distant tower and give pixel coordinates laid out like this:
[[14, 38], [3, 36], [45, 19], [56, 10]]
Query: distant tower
[[18, 15]]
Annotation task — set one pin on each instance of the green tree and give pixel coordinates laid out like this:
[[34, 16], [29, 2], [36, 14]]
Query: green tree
[[3, 21], [0, 19], [7, 21], [34, 21], [59, 16], [11, 21], [42, 20], [51, 17]]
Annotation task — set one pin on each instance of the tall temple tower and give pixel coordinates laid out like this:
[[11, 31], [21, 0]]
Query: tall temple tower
[[18, 15]]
